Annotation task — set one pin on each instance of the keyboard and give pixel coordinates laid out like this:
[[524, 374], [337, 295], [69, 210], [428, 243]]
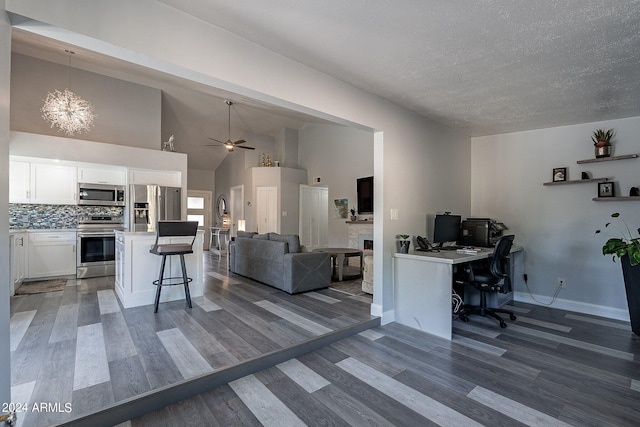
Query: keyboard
[[451, 248]]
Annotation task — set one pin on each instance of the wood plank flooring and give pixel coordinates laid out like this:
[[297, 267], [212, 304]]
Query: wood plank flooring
[[548, 368], [81, 347]]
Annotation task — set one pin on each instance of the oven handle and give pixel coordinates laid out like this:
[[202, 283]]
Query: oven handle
[[96, 234]]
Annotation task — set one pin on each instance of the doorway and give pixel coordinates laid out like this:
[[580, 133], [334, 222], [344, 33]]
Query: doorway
[[199, 209]]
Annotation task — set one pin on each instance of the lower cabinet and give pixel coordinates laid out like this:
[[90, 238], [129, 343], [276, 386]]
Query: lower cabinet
[[18, 259], [52, 254]]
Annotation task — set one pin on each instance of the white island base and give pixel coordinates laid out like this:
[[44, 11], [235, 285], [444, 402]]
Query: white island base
[[137, 268]]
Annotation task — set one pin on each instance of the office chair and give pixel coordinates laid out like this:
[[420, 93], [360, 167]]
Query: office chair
[[491, 278]]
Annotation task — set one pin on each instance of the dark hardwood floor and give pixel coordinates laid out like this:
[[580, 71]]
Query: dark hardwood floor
[[548, 368], [78, 351]]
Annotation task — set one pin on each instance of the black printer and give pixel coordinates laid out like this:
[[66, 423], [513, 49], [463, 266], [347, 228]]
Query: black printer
[[482, 232]]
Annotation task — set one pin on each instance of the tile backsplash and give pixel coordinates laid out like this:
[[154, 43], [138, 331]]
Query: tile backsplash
[[28, 216]]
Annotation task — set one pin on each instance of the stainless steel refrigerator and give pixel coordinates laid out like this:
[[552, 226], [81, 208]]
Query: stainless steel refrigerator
[[149, 204]]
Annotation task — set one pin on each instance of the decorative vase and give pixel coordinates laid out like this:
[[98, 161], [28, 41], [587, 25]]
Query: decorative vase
[[604, 151], [631, 276], [354, 218], [404, 246]]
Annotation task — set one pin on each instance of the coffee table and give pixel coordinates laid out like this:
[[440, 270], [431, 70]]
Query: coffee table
[[338, 256]]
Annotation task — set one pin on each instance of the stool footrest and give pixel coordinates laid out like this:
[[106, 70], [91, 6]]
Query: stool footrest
[[173, 281]]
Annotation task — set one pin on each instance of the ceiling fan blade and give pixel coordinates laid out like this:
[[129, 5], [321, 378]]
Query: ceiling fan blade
[[240, 141], [216, 140], [246, 148]]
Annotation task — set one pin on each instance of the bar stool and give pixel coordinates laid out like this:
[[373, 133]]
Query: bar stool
[[174, 229]]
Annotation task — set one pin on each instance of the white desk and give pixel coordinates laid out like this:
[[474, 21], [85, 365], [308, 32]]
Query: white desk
[[422, 284]]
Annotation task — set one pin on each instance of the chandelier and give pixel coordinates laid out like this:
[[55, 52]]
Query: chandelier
[[67, 111]]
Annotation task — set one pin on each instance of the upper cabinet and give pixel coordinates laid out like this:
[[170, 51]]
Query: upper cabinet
[[42, 183], [107, 175], [19, 182], [154, 177], [53, 184]]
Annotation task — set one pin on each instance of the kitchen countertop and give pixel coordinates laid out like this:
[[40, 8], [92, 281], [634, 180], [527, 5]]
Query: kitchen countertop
[[42, 230]]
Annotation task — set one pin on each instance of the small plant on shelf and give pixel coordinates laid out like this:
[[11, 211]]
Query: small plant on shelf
[[602, 142], [404, 243]]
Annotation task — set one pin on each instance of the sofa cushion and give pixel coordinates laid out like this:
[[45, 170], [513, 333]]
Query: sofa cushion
[[245, 233], [264, 236], [293, 240]]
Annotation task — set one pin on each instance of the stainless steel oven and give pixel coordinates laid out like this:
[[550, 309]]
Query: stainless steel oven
[[101, 194], [97, 245]]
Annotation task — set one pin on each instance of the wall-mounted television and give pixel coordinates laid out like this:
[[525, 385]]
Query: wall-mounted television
[[365, 195]]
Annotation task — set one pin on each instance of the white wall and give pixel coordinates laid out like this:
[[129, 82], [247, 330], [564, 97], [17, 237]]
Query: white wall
[[556, 224], [339, 155], [5, 77], [127, 113]]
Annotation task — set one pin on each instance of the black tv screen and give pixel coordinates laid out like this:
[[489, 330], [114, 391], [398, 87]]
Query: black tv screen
[[365, 195]]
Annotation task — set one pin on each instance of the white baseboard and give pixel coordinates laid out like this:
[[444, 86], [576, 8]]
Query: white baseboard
[[376, 310], [579, 307]]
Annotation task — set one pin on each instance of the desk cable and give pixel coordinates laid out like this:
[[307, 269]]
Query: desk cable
[[456, 302], [555, 294]]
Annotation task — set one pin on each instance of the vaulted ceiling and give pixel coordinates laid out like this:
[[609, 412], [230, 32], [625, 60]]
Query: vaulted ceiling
[[479, 66]]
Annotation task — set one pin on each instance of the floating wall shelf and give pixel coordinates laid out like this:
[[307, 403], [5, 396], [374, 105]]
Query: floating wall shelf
[[616, 199], [577, 181], [608, 159]]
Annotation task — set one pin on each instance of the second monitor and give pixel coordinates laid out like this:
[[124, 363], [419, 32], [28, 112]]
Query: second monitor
[[446, 228]]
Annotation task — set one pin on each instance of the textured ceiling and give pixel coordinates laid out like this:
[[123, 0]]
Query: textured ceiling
[[479, 66]]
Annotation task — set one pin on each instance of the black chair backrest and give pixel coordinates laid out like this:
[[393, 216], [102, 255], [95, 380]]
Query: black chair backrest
[[176, 229], [499, 266]]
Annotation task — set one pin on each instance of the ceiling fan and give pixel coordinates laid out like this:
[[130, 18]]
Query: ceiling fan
[[229, 144]]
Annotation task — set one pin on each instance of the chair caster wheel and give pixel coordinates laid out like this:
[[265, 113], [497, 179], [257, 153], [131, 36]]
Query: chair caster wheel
[[512, 316], [503, 325]]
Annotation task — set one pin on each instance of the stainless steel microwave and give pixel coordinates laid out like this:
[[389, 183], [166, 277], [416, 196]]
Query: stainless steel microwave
[[101, 194]]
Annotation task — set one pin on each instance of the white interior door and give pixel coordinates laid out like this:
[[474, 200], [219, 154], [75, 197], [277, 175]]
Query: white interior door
[[314, 217], [267, 210], [199, 209], [236, 212]]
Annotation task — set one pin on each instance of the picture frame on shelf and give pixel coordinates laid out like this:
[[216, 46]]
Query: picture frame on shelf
[[559, 174], [606, 189]]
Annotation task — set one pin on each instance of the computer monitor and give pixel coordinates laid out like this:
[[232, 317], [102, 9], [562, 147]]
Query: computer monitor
[[446, 228]]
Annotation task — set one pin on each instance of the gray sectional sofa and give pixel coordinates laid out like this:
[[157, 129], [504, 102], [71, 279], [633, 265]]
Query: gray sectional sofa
[[277, 260]]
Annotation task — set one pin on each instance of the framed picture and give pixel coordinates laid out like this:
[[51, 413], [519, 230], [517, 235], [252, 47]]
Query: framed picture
[[605, 189], [340, 208], [559, 174]]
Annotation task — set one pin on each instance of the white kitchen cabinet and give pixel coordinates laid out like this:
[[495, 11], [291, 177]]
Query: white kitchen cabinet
[[53, 184], [151, 177], [19, 181], [17, 255], [119, 279], [51, 253], [137, 268], [99, 175]]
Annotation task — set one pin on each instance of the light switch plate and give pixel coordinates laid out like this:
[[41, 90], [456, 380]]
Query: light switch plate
[[394, 214]]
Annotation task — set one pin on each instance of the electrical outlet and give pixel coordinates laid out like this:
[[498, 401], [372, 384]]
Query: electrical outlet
[[562, 282]]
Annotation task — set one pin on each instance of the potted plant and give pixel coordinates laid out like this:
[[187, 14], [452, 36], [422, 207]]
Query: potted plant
[[353, 214], [602, 141], [627, 248], [404, 243]]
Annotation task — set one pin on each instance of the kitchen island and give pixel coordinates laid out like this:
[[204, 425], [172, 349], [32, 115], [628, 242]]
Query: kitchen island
[[137, 268]]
